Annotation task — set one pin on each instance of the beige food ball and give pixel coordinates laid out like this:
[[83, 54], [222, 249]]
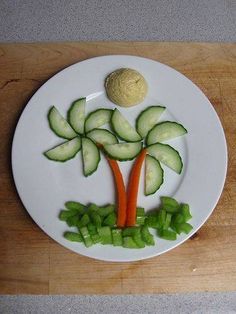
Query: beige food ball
[[126, 87]]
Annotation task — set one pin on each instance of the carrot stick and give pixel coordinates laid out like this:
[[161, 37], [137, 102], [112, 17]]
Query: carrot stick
[[121, 193], [133, 189]]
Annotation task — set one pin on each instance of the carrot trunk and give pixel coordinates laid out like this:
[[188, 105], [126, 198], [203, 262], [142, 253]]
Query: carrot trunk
[[133, 189], [121, 193]]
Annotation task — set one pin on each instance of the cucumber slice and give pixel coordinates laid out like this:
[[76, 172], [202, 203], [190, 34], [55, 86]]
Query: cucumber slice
[[165, 131], [153, 175], [91, 156], [65, 151], [148, 118], [123, 129], [76, 115], [97, 118], [59, 125], [123, 151], [102, 136], [167, 155]]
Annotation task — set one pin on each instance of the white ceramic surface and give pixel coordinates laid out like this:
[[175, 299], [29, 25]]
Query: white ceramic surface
[[44, 186]]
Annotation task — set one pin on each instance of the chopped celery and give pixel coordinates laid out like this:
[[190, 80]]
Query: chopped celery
[[185, 211], [92, 208], [95, 224], [106, 210], [117, 237], [167, 234], [140, 220], [105, 234], [177, 218], [161, 218], [86, 237], [140, 216], [172, 227], [73, 220], [130, 231], [95, 218], [147, 236], [129, 243], [96, 238], [169, 204], [138, 240], [73, 236], [110, 220], [140, 211], [92, 229], [183, 227], [65, 214], [75, 206], [83, 221], [167, 221], [152, 221]]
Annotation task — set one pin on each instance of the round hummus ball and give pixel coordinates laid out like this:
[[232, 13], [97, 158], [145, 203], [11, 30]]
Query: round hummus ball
[[126, 87]]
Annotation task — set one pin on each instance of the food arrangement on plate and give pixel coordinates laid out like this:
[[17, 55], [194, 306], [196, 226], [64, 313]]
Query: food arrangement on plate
[[122, 164], [123, 224]]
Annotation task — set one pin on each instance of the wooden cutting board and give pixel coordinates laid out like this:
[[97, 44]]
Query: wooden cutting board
[[33, 263]]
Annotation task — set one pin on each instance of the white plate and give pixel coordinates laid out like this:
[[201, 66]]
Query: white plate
[[44, 186]]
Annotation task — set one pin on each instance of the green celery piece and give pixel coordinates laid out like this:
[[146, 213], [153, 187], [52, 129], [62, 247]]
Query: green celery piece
[[167, 234], [92, 208], [140, 211], [92, 229], [169, 204], [152, 221], [172, 226], [105, 234], [95, 218], [183, 227], [86, 236], [185, 211], [140, 220], [110, 220], [177, 219], [75, 206], [138, 240], [73, 236], [117, 237], [140, 216], [65, 214], [106, 210], [130, 231], [167, 221], [83, 221], [96, 238], [73, 220], [129, 243], [147, 236], [161, 217]]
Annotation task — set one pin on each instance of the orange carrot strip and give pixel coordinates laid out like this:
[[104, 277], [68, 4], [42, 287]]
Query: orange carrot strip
[[133, 189], [121, 193]]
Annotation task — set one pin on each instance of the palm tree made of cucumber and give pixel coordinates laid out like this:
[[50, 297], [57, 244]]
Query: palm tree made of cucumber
[[142, 142]]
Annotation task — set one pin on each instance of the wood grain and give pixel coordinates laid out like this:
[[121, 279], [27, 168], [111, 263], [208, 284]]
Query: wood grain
[[30, 262]]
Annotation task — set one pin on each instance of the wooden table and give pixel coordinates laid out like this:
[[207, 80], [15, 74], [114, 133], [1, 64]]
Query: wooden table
[[33, 263]]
